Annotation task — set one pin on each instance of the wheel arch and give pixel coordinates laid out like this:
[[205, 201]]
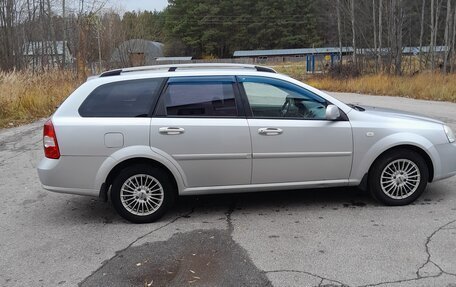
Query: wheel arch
[[135, 161], [411, 147]]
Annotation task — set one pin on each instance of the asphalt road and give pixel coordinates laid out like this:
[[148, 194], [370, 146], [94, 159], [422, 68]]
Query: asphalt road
[[334, 237]]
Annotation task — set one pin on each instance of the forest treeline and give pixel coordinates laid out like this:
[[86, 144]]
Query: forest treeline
[[215, 29]]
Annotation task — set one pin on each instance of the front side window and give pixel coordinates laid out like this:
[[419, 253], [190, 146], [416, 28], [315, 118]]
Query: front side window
[[270, 98], [122, 99], [200, 99]]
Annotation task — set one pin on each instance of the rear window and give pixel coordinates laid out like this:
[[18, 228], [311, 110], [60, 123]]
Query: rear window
[[200, 99], [122, 99]]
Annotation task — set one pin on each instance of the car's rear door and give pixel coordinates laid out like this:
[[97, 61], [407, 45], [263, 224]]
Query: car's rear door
[[112, 117], [200, 124], [291, 139]]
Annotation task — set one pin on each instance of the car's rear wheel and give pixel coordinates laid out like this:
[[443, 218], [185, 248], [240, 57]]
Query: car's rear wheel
[[398, 177], [142, 194]]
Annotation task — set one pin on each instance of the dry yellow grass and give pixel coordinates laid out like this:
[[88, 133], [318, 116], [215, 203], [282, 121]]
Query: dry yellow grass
[[25, 97], [426, 86]]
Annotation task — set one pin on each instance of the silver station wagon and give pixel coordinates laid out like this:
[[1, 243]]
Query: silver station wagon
[[143, 136]]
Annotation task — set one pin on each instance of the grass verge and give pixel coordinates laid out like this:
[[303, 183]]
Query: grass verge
[[25, 97], [425, 86]]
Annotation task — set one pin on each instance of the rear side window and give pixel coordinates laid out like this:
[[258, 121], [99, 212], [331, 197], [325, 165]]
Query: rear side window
[[200, 99], [122, 99]]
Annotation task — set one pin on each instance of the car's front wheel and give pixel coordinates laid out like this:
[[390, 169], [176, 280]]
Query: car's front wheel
[[398, 177], [142, 193]]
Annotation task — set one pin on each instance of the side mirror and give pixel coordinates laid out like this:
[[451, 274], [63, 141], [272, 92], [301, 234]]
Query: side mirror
[[332, 112]]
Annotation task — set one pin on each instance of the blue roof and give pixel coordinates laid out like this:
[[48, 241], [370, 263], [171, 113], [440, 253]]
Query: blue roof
[[328, 50], [288, 52]]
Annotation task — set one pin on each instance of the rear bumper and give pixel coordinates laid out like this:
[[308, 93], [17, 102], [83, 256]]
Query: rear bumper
[[70, 175], [84, 192], [447, 154]]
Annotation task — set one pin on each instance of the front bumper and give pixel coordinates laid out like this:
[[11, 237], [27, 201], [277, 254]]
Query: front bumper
[[447, 164]]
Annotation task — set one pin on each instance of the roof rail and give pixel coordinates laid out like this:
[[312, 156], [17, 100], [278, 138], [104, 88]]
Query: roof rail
[[173, 68], [111, 73]]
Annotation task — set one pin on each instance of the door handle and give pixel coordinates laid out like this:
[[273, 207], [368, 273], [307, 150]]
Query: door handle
[[270, 131], [171, 130]]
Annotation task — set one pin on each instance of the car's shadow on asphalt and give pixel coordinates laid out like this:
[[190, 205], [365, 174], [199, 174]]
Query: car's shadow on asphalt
[[343, 197], [86, 210], [293, 198]]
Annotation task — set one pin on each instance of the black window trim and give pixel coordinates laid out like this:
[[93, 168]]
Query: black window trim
[[156, 102], [160, 109]]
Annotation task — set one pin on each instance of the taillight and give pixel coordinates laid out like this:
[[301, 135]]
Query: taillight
[[51, 147]]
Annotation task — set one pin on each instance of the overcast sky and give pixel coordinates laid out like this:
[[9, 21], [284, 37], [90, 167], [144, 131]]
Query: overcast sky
[[131, 5]]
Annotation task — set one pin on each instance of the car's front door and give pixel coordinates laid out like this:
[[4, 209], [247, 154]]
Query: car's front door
[[200, 123], [291, 139]]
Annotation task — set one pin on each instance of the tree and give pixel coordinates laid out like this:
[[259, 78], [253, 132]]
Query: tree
[[453, 41], [31, 29], [353, 23], [52, 34], [423, 5], [448, 32], [8, 46], [206, 28], [64, 34], [374, 16], [435, 14], [339, 30], [143, 25], [380, 32], [396, 26], [85, 19]]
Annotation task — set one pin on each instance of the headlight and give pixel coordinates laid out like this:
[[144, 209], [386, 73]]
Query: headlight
[[449, 134]]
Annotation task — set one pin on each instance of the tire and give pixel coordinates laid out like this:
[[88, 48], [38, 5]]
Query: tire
[[147, 193], [398, 177]]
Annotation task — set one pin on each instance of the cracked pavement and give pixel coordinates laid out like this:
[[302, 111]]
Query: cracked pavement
[[329, 237]]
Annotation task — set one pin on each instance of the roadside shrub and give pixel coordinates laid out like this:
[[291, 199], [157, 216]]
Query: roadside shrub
[[25, 96], [344, 71], [424, 85]]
